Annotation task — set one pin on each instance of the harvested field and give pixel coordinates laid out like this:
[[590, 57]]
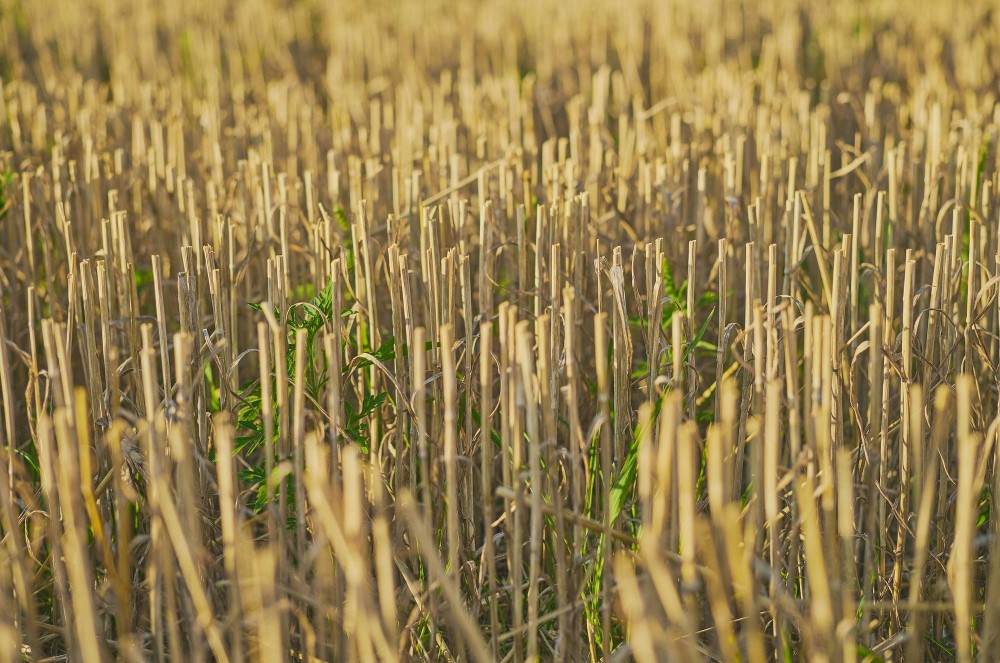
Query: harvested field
[[499, 331]]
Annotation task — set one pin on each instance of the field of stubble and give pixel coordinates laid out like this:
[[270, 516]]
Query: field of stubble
[[500, 331]]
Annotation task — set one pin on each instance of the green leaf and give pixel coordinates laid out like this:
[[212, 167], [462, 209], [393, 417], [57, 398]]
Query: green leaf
[[6, 179], [252, 475], [697, 337], [255, 477], [985, 504], [260, 502], [143, 277], [494, 435], [371, 403], [668, 280], [385, 352], [625, 481], [708, 297], [29, 455], [640, 370], [984, 153], [248, 443], [705, 416], [213, 391], [341, 215]]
